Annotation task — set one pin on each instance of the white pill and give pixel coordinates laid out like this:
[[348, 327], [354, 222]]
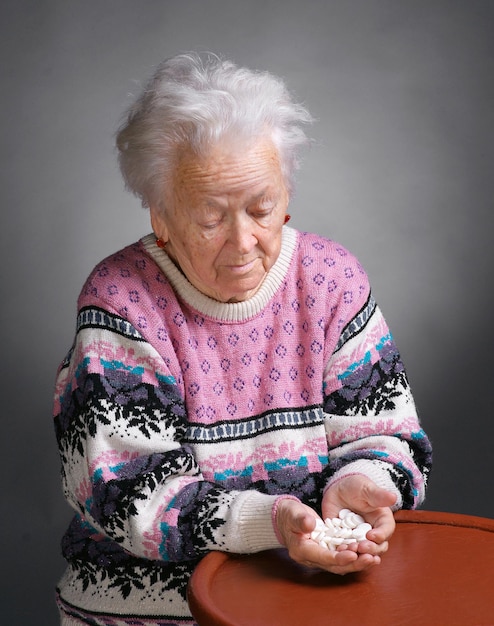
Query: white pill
[[364, 527], [337, 541], [353, 520], [329, 527], [360, 533], [344, 513], [345, 532], [348, 523]]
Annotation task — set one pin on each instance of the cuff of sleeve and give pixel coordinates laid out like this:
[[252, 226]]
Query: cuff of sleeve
[[250, 525], [376, 471]]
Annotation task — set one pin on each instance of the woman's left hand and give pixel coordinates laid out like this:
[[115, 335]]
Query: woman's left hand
[[361, 495]]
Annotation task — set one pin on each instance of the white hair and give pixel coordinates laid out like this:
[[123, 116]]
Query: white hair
[[194, 101]]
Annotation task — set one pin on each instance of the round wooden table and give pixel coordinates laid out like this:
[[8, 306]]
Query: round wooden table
[[439, 571]]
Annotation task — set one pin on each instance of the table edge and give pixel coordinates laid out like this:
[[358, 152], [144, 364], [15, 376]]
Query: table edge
[[442, 518]]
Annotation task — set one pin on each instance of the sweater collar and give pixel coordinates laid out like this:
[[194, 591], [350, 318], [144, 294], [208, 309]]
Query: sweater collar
[[226, 311]]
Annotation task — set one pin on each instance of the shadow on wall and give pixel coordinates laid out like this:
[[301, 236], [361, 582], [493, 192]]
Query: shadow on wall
[[31, 545], [453, 400]]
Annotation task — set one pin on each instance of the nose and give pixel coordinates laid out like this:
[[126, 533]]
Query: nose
[[242, 234]]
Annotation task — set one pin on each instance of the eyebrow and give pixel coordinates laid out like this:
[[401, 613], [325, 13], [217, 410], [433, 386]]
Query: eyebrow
[[265, 194]]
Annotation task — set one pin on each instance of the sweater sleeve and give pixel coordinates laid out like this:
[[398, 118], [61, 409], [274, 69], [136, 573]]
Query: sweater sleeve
[[126, 467], [371, 419]]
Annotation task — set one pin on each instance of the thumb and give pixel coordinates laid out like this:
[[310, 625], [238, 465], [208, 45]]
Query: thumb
[[378, 497], [305, 523], [293, 517]]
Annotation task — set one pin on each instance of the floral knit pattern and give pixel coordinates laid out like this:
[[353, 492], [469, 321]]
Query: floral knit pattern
[[180, 420]]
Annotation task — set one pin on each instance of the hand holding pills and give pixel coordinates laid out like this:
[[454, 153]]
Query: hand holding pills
[[357, 498], [360, 494]]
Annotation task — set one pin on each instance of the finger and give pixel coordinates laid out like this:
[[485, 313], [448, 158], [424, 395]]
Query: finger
[[377, 497], [337, 562], [381, 532], [351, 546], [371, 547], [363, 562], [383, 526], [314, 555], [304, 523]]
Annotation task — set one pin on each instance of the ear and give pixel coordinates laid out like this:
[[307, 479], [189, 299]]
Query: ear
[[158, 222]]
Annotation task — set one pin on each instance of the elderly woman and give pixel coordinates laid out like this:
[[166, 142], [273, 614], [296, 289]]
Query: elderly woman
[[232, 380]]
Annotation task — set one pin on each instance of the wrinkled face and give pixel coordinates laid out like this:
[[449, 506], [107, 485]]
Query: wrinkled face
[[223, 218]]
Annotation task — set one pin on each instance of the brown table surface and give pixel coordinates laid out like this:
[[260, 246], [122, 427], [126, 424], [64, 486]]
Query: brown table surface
[[439, 571]]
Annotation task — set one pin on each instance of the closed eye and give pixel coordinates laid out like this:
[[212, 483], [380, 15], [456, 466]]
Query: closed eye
[[263, 208], [210, 225], [210, 220], [262, 213]]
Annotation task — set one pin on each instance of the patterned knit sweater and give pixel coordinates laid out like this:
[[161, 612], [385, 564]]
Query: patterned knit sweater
[[180, 420]]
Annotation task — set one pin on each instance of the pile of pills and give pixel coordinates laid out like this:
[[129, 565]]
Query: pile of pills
[[348, 527]]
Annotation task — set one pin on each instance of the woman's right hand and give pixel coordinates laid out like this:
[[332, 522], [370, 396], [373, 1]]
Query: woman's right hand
[[295, 522]]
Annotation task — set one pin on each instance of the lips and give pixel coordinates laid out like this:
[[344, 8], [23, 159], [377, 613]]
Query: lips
[[241, 268]]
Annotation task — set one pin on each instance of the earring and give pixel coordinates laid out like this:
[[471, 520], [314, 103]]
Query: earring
[[287, 218], [160, 243]]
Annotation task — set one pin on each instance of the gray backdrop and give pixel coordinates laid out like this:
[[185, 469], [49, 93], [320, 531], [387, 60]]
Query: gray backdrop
[[402, 174]]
